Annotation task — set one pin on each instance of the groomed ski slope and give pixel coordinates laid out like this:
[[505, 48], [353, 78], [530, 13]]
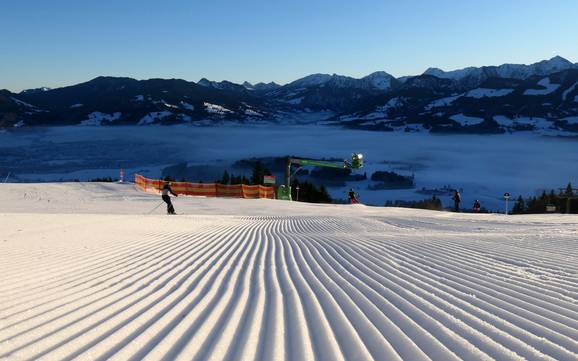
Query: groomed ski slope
[[87, 275]]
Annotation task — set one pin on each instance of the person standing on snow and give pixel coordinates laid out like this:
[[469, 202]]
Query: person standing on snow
[[457, 199], [477, 206], [167, 199], [352, 197]]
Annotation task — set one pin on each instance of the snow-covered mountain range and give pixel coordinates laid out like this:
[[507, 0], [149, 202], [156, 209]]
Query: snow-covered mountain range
[[490, 99]]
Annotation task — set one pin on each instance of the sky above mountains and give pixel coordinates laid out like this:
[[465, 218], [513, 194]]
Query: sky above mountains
[[62, 42]]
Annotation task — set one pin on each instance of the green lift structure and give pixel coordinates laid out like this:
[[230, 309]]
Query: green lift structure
[[284, 191]]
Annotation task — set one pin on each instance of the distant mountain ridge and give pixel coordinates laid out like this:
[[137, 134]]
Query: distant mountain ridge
[[473, 76], [490, 99]]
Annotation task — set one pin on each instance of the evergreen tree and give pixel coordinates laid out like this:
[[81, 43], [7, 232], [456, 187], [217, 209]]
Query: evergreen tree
[[226, 179], [519, 206], [569, 191], [324, 196], [258, 173], [308, 192]]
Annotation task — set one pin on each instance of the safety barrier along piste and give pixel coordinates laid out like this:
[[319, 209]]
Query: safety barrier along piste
[[206, 189]]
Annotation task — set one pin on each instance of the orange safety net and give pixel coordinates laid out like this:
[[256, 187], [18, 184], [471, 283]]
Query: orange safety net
[[206, 189]]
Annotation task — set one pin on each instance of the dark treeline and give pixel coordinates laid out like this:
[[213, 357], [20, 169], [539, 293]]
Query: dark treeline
[[391, 180], [257, 175], [434, 204], [103, 179], [563, 201], [309, 192]]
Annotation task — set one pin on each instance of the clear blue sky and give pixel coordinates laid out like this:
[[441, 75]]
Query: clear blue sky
[[61, 42]]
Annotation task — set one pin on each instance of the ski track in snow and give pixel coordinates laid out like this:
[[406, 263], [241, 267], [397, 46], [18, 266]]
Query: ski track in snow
[[403, 286]]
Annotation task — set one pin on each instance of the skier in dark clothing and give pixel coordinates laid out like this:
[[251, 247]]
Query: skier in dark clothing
[[457, 199], [477, 206], [165, 195], [352, 196]]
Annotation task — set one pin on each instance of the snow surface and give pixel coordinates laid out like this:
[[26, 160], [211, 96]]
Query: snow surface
[[152, 117], [252, 113], [88, 275], [466, 120], [187, 106], [169, 105], [537, 122], [488, 93], [443, 102], [76, 105], [294, 101], [517, 71], [395, 102], [216, 109], [503, 120], [97, 118], [311, 80], [379, 80], [23, 103], [550, 88], [568, 91], [571, 120]]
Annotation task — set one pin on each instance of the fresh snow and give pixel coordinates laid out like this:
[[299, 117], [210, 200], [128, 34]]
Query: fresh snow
[[571, 120], [311, 80], [97, 118], [295, 101], [23, 103], [453, 74], [216, 109], [550, 88], [379, 80], [568, 91], [488, 93], [537, 122], [466, 120], [516, 71], [503, 120], [88, 275], [187, 106], [252, 113], [443, 102], [185, 118], [153, 117], [395, 102], [374, 115], [169, 105]]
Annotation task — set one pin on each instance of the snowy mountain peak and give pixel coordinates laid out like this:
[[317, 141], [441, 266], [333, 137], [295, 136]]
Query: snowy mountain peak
[[554, 64], [514, 71], [311, 80], [206, 83], [35, 90], [434, 71], [379, 80], [266, 86]]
